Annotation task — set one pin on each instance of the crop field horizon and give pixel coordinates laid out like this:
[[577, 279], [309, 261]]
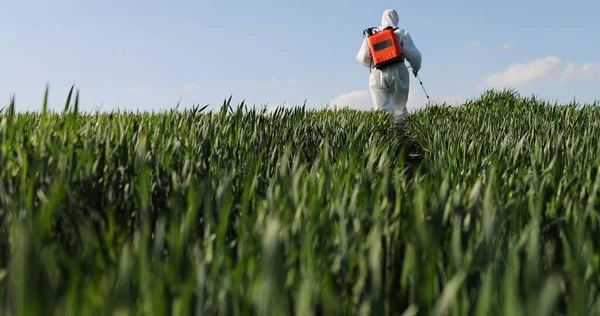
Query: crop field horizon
[[488, 208]]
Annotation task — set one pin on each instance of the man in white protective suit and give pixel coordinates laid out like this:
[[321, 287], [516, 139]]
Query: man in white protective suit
[[389, 85]]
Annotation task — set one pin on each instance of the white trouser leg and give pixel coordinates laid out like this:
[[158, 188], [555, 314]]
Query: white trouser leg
[[389, 90]]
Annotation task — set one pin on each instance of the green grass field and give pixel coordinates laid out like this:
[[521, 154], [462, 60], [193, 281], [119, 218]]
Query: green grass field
[[490, 208]]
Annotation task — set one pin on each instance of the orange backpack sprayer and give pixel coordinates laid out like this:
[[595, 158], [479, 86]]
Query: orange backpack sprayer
[[384, 46], [385, 49]]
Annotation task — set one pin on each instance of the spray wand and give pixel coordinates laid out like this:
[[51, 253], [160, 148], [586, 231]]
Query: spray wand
[[422, 86]]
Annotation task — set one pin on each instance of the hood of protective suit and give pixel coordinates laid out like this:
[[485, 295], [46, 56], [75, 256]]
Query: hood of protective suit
[[390, 18]]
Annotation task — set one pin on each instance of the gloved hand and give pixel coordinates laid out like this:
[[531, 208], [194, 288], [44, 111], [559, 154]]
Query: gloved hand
[[415, 72]]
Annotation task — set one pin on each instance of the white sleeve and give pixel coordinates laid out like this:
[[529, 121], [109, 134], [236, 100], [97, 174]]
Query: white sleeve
[[410, 51], [364, 55]]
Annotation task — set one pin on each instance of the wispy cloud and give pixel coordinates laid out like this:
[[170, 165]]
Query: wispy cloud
[[507, 46], [546, 69], [474, 43]]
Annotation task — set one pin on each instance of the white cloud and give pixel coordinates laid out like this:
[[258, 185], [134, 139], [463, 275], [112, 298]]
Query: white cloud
[[547, 69], [507, 46], [358, 99], [293, 81], [474, 43], [520, 74], [585, 72]]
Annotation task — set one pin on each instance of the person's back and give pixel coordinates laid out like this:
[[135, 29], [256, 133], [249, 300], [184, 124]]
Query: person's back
[[389, 86]]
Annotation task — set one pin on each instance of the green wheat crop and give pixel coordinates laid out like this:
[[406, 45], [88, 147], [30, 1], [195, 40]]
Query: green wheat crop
[[490, 208]]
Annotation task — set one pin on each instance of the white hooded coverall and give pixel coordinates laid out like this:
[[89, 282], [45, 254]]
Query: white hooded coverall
[[389, 86]]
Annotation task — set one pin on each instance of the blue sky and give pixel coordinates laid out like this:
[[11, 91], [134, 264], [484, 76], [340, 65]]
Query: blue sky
[[149, 55]]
